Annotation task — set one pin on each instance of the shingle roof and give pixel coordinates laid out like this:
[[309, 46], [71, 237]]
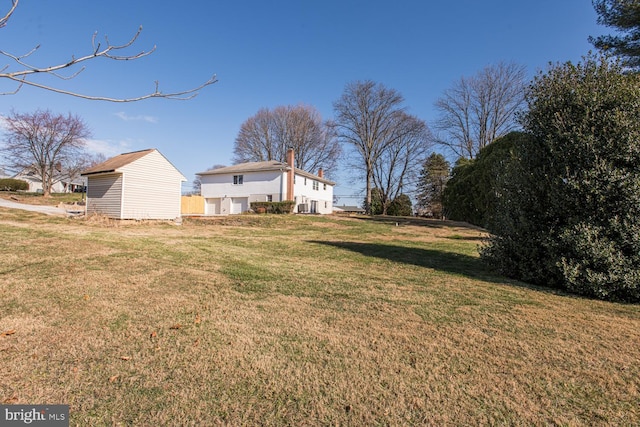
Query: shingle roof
[[271, 165], [116, 162]]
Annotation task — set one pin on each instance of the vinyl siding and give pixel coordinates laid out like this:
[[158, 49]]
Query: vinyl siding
[[104, 195], [153, 188]]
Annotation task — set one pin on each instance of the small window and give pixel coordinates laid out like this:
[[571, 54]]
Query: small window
[[315, 185], [324, 187], [237, 179], [305, 181], [269, 198]]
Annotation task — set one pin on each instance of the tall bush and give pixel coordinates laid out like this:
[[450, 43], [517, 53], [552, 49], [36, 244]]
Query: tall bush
[[11, 184], [569, 204]]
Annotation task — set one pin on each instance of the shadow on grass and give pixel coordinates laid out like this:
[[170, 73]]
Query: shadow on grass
[[449, 262]]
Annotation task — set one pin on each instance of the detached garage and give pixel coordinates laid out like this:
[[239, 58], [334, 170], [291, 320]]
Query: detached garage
[[138, 185]]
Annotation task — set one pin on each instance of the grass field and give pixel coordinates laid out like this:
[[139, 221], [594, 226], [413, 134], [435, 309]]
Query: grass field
[[298, 320]]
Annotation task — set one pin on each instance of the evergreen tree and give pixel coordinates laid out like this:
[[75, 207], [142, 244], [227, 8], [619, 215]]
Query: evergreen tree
[[623, 15], [400, 206], [431, 185]]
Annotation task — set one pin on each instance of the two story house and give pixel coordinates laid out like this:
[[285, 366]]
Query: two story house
[[230, 190]]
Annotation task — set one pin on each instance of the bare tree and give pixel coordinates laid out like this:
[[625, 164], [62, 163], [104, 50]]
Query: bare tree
[[44, 143], [365, 121], [270, 133], [24, 71], [477, 110], [395, 170]]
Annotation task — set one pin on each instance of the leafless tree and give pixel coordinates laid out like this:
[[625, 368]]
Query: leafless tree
[[365, 121], [396, 170], [477, 110], [24, 72], [270, 133], [44, 143]]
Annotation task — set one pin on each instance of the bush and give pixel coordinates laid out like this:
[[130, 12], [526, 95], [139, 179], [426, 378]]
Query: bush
[[10, 184], [400, 206], [285, 207], [569, 202], [470, 194]]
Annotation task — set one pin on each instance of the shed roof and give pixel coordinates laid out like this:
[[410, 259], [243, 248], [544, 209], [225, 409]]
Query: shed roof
[[114, 163]]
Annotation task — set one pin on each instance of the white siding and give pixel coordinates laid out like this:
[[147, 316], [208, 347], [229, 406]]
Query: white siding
[[104, 195], [152, 188], [257, 186], [236, 198], [322, 197]]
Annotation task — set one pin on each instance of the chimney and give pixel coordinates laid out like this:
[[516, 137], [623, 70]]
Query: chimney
[[291, 163], [320, 173]]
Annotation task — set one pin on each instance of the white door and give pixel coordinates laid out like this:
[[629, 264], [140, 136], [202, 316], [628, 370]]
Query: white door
[[213, 207], [239, 205]]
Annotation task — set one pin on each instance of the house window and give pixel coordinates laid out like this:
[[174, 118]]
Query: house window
[[305, 181], [324, 187], [315, 185], [237, 179], [269, 198]]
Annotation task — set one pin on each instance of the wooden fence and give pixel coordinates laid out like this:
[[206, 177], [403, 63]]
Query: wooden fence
[[192, 205]]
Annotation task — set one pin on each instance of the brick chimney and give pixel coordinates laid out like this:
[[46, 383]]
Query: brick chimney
[[291, 163], [320, 173]]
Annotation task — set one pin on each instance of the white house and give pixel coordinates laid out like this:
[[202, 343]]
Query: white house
[[138, 185], [230, 190], [61, 182]]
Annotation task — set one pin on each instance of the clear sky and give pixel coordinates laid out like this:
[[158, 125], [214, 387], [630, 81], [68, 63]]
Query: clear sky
[[271, 53]]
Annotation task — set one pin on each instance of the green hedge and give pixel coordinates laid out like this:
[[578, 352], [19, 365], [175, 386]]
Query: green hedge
[[10, 184], [285, 207]]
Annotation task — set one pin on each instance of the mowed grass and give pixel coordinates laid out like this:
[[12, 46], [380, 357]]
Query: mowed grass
[[298, 320]]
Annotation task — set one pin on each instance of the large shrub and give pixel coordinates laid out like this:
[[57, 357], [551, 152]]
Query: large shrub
[[400, 206], [569, 203], [11, 184], [470, 194], [284, 207]]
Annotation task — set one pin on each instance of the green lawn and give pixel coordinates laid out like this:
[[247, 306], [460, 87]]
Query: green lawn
[[298, 320]]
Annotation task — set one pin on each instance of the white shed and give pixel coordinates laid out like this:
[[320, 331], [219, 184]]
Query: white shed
[[138, 185]]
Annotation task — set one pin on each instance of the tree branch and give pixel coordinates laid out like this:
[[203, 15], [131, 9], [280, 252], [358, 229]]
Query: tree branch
[[21, 76]]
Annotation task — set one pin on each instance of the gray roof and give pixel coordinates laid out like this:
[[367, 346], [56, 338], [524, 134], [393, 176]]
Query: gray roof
[[270, 165]]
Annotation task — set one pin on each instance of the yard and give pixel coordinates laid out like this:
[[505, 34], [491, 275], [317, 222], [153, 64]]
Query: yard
[[298, 320]]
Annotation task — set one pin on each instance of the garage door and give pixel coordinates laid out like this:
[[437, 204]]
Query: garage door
[[213, 206], [239, 205]]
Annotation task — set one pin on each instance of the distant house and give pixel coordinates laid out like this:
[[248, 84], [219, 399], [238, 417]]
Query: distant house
[[138, 185], [230, 190], [61, 183], [348, 210]]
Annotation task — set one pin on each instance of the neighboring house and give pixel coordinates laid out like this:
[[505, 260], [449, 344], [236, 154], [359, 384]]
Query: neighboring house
[[348, 210], [60, 184], [138, 185], [230, 190]]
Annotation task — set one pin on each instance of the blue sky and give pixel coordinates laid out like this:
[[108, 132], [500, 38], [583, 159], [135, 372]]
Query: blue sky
[[267, 54]]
